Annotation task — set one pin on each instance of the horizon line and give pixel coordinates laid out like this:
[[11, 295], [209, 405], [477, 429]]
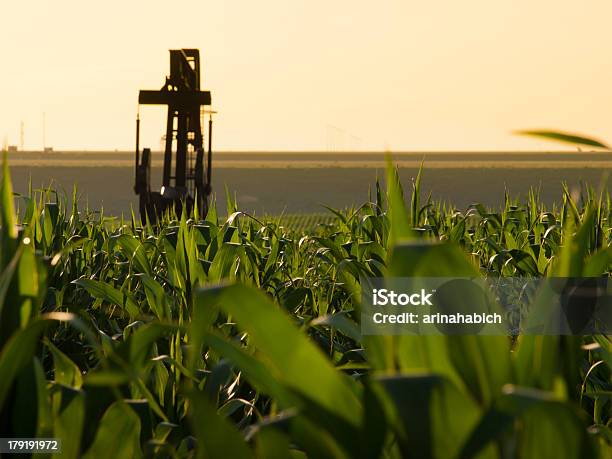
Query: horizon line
[[308, 151]]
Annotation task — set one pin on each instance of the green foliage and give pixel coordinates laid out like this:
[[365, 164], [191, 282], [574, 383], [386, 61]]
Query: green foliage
[[564, 137], [240, 338]]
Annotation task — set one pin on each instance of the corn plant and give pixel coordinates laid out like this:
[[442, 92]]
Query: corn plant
[[240, 337]]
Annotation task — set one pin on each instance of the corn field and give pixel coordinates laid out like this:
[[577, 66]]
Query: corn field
[[239, 337]]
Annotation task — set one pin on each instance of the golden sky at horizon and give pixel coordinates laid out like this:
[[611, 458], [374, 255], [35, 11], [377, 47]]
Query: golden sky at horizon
[[402, 75]]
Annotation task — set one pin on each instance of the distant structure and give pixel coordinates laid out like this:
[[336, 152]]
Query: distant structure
[[21, 136], [184, 141], [334, 138], [12, 149], [45, 148], [338, 139]]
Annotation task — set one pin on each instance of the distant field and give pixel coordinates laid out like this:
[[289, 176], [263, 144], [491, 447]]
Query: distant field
[[253, 160], [294, 183], [306, 223]]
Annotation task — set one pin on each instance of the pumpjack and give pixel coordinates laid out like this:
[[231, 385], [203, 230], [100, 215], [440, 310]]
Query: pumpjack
[[189, 185]]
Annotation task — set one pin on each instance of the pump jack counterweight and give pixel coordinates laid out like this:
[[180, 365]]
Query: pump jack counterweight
[[189, 186]]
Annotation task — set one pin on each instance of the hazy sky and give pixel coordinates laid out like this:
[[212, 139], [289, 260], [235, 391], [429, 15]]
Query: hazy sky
[[312, 74]]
